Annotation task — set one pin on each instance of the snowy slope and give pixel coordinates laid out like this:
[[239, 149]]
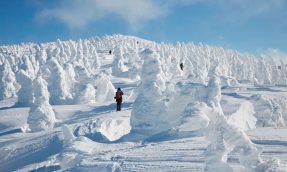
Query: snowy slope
[[226, 111]]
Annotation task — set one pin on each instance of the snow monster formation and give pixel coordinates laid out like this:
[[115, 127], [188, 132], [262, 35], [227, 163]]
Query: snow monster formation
[[25, 97], [105, 90], [193, 107], [119, 66], [225, 137], [41, 115], [8, 84], [149, 108]]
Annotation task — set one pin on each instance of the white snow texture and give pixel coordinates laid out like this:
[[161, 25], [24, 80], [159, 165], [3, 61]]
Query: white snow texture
[[166, 100]]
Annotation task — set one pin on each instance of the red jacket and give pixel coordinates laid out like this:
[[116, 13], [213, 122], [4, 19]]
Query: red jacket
[[118, 96]]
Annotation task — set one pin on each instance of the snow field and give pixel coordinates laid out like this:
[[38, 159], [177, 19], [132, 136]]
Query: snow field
[[190, 120]]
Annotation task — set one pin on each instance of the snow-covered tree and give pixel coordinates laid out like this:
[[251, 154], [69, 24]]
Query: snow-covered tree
[[224, 137], [24, 95], [119, 62], [263, 75], [95, 59], [87, 95], [275, 74], [283, 73], [267, 112], [28, 67], [149, 106], [8, 84], [59, 88], [41, 115], [41, 55], [62, 52], [105, 90]]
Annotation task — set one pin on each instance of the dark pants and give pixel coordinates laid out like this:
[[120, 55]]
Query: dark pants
[[119, 104]]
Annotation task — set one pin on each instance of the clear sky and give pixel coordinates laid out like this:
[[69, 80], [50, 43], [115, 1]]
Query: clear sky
[[246, 25]]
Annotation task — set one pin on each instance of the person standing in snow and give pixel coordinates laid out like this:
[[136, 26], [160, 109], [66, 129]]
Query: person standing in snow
[[181, 66], [119, 99]]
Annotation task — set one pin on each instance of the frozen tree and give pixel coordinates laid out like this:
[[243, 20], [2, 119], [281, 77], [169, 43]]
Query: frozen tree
[[275, 74], [283, 73], [263, 75], [95, 58], [105, 90], [119, 62], [88, 95], [214, 88], [224, 137], [8, 84], [72, 50], [82, 75], [80, 79], [28, 67], [62, 52], [41, 55], [41, 115], [216, 151], [2, 58], [80, 54], [268, 112], [70, 76], [149, 107], [24, 95], [188, 69], [87, 56], [133, 63], [59, 88]]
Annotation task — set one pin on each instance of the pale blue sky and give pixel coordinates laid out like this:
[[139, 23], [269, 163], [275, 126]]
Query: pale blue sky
[[246, 25]]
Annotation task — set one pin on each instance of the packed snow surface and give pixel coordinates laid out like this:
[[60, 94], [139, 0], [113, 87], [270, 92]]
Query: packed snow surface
[[225, 111]]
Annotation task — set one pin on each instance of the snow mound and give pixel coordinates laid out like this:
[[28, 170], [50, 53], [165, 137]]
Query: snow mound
[[104, 129]]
